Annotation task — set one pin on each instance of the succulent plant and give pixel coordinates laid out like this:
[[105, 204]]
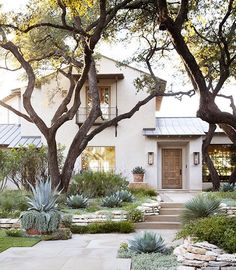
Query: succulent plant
[[199, 207], [228, 187], [138, 170], [147, 242], [77, 201], [125, 195], [112, 201], [44, 197]]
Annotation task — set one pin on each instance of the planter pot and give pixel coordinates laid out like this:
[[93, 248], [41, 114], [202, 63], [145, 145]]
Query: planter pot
[[138, 177]]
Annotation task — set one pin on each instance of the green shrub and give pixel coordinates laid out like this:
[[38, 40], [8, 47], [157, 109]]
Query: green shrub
[[112, 201], [224, 195], [60, 234], [135, 215], [14, 233], [12, 200], [150, 192], [106, 227], [218, 230], [200, 206], [97, 184], [66, 220], [77, 201], [9, 214], [147, 242]]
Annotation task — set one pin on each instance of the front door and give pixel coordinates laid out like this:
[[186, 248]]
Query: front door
[[171, 168]]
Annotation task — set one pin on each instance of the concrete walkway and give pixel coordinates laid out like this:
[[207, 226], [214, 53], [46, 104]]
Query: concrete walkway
[[177, 196], [85, 252]]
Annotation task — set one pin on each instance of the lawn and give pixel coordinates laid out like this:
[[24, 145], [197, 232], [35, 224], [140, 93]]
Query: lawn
[[7, 242]]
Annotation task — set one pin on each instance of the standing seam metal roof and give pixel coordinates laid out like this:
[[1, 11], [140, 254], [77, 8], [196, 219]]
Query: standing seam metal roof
[[178, 126], [10, 136]]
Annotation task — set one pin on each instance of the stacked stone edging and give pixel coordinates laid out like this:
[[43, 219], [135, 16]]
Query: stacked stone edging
[[205, 256], [228, 210]]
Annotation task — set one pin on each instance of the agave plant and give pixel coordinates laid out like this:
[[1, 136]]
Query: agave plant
[[147, 242], [112, 201], [228, 187], [125, 195], [42, 214], [199, 207], [44, 197], [77, 201]]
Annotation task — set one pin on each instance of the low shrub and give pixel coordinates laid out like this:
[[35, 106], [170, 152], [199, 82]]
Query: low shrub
[[13, 200], [66, 220], [143, 192], [106, 227], [60, 234], [97, 184], [14, 232], [147, 242], [9, 214], [218, 230], [135, 215], [200, 206], [224, 195]]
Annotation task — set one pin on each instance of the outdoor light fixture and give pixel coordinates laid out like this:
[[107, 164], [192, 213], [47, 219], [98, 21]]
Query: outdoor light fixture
[[196, 158], [150, 158]]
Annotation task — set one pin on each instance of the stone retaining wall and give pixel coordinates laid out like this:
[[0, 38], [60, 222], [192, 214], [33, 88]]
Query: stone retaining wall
[[205, 256]]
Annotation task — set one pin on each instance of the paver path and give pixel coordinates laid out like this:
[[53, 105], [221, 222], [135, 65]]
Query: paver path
[[82, 252]]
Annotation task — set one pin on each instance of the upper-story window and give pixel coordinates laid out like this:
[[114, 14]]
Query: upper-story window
[[105, 101]]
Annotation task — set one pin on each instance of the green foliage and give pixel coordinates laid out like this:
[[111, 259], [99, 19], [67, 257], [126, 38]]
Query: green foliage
[[77, 201], [41, 221], [9, 214], [97, 184], [13, 200], [224, 195], [138, 170], [60, 234], [147, 242], [7, 241], [14, 233], [66, 220], [106, 227], [200, 206], [228, 187], [44, 198], [217, 230], [125, 195], [112, 201], [153, 261], [143, 191], [135, 215]]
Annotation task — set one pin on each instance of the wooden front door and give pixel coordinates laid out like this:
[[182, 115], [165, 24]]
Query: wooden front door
[[171, 168]]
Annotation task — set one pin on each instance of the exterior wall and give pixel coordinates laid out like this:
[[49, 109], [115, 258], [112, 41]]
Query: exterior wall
[[129, 143], [8, 117]]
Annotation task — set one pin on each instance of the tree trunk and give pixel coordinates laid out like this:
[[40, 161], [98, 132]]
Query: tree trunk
[[53, 163], [215, 179], [232, 178]]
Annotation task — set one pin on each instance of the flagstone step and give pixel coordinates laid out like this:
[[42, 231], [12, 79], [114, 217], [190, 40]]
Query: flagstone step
[[171, 211], [163, 218], [158, 225], [172, 205]]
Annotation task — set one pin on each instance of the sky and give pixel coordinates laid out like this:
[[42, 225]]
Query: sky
[[170, 106]]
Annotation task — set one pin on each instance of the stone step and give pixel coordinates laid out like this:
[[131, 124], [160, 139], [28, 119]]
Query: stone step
[[163, 218], [171, 211], [158, 225], [172, 205]]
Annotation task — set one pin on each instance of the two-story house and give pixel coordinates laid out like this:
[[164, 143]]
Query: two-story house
[[168, 148]]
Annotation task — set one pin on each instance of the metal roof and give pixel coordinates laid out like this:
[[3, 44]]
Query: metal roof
[[10, 136], [178, 126]]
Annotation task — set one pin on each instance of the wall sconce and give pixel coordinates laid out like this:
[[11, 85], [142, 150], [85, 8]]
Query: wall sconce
[[196, 158], [150, 158]]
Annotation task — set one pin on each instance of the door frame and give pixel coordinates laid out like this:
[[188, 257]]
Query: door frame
[[182, 164]]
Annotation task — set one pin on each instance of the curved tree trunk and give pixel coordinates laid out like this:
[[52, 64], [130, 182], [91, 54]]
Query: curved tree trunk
[[206, 158]]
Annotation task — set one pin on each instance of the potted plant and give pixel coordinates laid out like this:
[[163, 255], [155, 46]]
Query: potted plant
[[138, 174], [42, 216]]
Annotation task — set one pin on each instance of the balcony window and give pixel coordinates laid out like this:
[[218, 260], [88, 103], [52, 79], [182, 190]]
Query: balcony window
[[99, 158], [221, 156]]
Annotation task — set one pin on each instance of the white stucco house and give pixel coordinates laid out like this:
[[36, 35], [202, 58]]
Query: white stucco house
[[169, 148]]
